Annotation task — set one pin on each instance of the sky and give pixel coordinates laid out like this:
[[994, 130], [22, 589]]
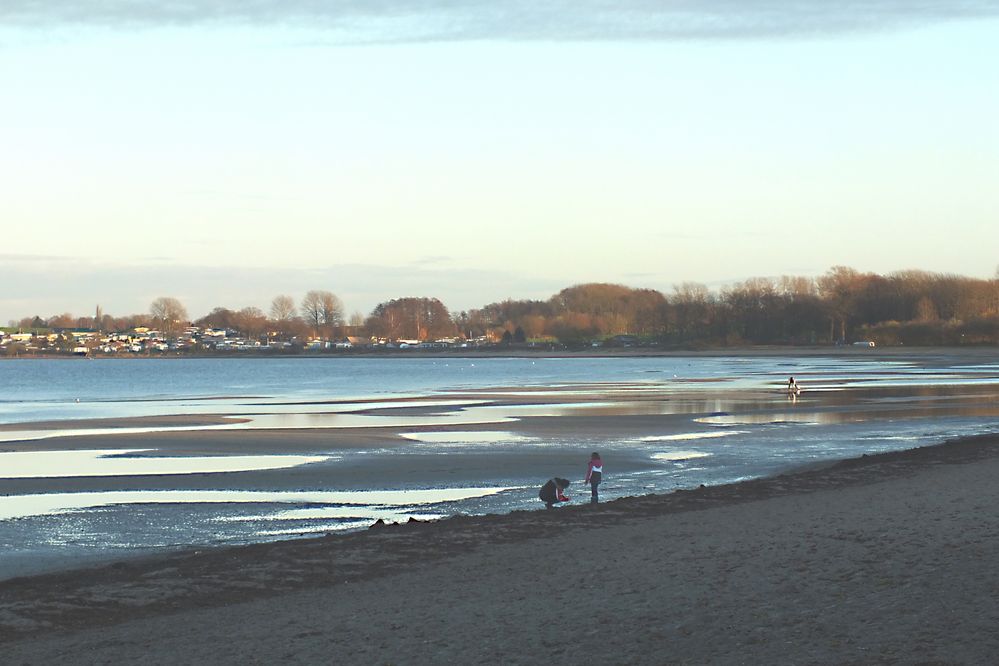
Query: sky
[[226, 152]]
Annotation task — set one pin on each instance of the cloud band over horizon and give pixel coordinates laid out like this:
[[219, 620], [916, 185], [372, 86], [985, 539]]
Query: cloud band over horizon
[[355, 21], [48, 285]]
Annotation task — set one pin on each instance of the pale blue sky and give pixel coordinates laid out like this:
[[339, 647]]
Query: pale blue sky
[[485, 156]]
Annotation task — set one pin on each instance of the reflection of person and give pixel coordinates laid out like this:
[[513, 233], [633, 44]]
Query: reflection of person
[[553, 492], [594, 474]]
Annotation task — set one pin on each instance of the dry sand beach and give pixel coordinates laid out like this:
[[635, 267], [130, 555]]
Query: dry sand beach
[[884, 559]]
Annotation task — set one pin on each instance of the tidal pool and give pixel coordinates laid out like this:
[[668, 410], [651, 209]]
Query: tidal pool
[[23, 506], [135, 462]]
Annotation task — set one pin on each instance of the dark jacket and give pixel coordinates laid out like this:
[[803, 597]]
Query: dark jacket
[[550, 492]]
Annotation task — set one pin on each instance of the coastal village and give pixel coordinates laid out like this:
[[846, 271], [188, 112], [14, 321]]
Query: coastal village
[[147, 341]]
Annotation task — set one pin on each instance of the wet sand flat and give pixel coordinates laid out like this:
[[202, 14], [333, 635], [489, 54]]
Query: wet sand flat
[[122, 491], [883, 559]]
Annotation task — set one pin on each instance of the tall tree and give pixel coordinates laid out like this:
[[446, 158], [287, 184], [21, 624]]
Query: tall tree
[[283, 308], [839, 287], [692, 306], [252, 322], [220, 318], [168, 314], [323, 312], [411, 319], [65, 320]]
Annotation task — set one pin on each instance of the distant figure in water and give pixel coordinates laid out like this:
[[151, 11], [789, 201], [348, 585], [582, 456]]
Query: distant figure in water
[[792, 387], [594, 474], [553, 492]]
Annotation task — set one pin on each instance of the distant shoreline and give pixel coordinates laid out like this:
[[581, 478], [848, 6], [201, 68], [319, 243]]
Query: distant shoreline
[[631, 352]]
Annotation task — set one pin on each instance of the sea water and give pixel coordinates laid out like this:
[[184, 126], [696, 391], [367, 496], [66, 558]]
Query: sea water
[[723, 419]]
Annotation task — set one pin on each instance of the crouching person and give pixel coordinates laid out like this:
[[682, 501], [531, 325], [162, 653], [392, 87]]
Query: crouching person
[[553, 492]]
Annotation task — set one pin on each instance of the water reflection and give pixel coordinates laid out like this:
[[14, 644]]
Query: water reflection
[[400, 415], [855, 415], [40, 433], [468, 437], [22, 506], [674, 456], [829, 384], [692, 435], [134, 462]]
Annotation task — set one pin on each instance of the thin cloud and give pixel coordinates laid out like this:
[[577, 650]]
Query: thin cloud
[[432, 261], [39, 286], [360, 21], [34, 259]]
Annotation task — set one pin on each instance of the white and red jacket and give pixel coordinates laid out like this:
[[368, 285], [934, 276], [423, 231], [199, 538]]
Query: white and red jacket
[[596, 465]]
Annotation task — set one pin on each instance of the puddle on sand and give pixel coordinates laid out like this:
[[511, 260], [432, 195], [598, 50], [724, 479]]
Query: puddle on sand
[[41, 433], [692, 435], [680, 455], [23, 506], [919, 410], [467, 437], [126, 462], [774, 419]]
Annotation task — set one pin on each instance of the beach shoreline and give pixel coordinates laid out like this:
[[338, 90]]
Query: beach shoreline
[[43, 611]]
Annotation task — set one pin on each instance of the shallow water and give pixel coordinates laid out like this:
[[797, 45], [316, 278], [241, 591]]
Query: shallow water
[[373, 504], [473, 430], [133, 462], [44, 389]]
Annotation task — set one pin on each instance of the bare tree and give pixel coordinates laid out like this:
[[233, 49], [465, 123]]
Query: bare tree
[[839, 288], [168, 314], [323, 312], [65, 320], [693, 307], [412, 318], [284, 316], [283, 308], [252, 322]]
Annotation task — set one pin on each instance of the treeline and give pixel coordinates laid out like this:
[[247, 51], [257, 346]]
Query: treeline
[[844, 305]]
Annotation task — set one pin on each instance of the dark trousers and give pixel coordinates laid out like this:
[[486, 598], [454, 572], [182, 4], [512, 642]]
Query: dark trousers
[[594, 482]]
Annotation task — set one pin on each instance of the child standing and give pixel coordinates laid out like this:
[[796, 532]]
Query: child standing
[[594, 474]]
